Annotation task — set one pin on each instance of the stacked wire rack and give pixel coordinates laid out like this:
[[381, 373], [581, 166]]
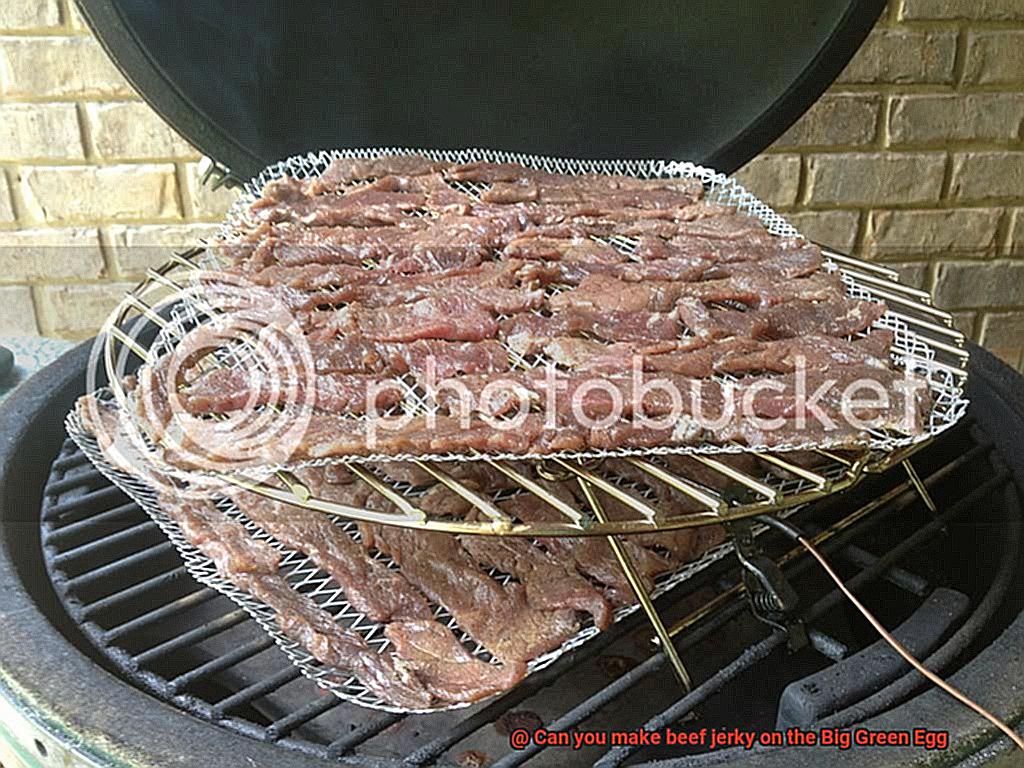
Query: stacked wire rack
[[162, 310]]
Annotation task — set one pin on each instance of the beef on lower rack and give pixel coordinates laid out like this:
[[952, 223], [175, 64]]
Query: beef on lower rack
[[395, 278]]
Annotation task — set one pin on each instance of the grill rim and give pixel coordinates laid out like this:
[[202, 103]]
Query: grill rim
[[66, 704]]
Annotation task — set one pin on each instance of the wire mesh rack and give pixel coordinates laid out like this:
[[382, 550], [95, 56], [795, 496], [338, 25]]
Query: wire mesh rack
[[925, 344]]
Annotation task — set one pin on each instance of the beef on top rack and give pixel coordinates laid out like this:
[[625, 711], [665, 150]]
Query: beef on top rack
[[545, 296]]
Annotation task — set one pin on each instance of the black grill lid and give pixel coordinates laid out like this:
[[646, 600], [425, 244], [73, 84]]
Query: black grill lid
[[250, 82]]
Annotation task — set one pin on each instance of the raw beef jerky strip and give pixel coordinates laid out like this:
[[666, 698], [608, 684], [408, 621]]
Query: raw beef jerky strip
[[571, 393], [360, 207], [527, 334], [784, 264], [590, 556], [345, 170], [355, 354], [604, 293], [445, 667], [574, 272], [370, 586], [561, 188], [782, 356], [838, 317], [761, 290], [223, 390], [451, 317], [549, 584], [495, 615], [533, 247], [252, 566]]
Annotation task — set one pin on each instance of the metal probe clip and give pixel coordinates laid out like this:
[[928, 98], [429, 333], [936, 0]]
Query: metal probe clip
[[772, 598]]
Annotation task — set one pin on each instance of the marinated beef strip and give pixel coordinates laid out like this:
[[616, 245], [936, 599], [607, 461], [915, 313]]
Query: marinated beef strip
[[530, 246], [785, 264], [765, 290], [571, 394], [527, 334], [409, 245], [590, 556], [252, 566], [574, 272], [603, 293], [223, 390], [516, 183], [355, 354], [451, 317], [497, 616], [370, 586], [344, 171], [359, 207], [798, 317], [550, 585], [445, 667]]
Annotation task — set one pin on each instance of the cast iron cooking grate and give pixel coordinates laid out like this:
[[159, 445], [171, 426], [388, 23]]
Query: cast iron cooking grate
[[125, 586]]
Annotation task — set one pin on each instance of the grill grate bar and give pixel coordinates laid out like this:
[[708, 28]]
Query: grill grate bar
[[826, 645], [98, 545], [165, 611], [104, 571], [192, 636], [57, 535], [833, 598], [91, 479], [364, 732], [74, 458], [220, 663], [254, 691], [285, 725], [899, 577], [129, 593], [83, 506]]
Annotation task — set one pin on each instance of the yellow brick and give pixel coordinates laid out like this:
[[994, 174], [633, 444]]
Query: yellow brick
[[875, 178], [77, 311], [130, 129], [28, 14], [961, 284], [945, 118], [834, 229], [17, 312], [985, 175], [988, 10], [206, 201], [773, 178], [6, 206], [39, 131], [969, 232], [73, 193], [835, 120], [903, 56], [137, 248], [1003, 330], [995, 57], [50, 254], [58, 66]]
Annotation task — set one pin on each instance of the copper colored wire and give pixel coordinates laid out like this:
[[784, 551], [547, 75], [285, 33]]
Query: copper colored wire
[[902, 650]]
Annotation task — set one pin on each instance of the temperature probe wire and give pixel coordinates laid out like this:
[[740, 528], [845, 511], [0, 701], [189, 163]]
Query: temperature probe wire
[[792, 532]]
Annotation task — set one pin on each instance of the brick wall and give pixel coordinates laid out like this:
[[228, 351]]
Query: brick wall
[[913, 157]]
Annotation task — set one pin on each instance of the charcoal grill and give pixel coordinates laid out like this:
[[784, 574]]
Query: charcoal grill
[[111, 654]]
